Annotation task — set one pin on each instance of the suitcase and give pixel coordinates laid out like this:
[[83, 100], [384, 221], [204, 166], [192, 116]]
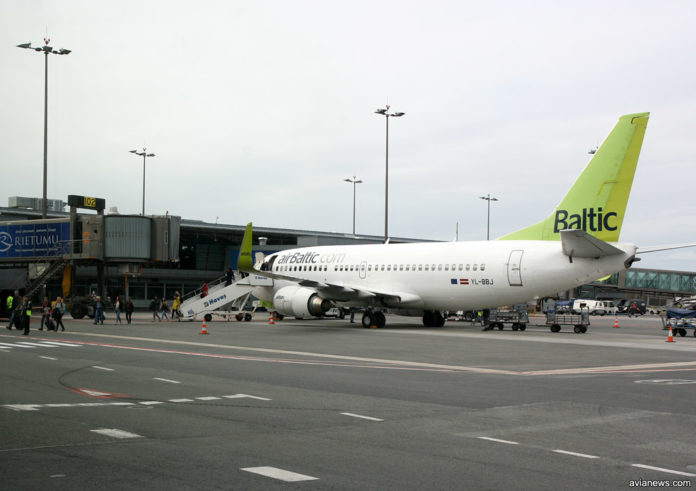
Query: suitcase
[[50, 325]]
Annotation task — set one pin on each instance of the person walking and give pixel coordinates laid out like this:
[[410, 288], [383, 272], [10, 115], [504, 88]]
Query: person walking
[[155, 307], [129, 310], [45, 313], [98, 312], [165, 310], [58, 312], [117, 309], [25, 314]]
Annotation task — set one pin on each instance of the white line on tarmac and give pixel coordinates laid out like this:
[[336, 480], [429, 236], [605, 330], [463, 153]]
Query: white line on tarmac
[[497, 440], [58, 343], [361, 417], [167, 380], [48, 358], [243, 396], [17, 346], [180, 400], [279, 474], [660, 469], [115, 433], [27, 343], [103, 368], [208, 398], [575, 454], [151, 403]]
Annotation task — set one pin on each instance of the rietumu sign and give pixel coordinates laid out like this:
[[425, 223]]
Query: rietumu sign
[[34, 239]]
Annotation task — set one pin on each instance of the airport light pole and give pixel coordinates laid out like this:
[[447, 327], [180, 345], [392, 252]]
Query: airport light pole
[[385, 112], [488, 227], [354, 181], [145, 155], [46, 49]]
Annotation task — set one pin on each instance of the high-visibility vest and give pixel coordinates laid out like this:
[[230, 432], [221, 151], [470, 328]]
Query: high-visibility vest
[[10, 299], [27, 308]]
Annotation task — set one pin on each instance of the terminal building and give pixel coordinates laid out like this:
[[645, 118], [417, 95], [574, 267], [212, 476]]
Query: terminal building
[[146, 256]]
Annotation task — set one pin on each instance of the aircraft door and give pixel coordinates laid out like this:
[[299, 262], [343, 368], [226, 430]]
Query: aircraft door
[[515, 268], [363, 270]]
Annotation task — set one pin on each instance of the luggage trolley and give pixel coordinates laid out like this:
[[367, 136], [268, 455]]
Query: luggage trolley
[[579, 321], [679, 320], [518, 317]]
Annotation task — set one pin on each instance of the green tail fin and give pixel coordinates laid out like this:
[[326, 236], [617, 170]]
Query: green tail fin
[[597, 201], [245, 262]]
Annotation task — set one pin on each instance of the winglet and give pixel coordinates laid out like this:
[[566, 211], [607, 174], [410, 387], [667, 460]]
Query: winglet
[[245, 262]]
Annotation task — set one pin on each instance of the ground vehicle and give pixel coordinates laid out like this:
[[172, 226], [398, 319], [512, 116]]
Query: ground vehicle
[[596, 307], [624, 306]]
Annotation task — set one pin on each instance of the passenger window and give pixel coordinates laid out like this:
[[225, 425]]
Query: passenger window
[[446, 267], [369, 267], [439, 267], [467, 267], [381, 267], [461, 266], [433, 267], [408, 268], [483, 267], [401, 267], [475, 267], [420, 267], [388, 267], [427, 267]]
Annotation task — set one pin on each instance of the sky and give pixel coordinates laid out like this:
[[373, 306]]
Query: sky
[[258, 111]]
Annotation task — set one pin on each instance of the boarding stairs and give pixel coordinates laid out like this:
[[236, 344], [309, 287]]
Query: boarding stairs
[[195, 307], [49, 266]]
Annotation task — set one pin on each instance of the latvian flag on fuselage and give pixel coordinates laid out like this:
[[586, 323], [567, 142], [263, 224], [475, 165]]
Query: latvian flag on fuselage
[[461, 281]]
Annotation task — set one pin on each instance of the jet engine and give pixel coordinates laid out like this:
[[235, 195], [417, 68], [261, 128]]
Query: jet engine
[[298, 301]]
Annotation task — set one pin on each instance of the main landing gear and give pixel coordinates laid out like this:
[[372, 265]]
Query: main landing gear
[[373, 319], [433, 318]]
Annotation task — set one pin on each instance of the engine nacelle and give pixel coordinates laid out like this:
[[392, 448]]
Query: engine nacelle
[[299, 301]]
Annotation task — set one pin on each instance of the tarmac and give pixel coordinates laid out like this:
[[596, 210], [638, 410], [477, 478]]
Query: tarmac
[[325, 404]]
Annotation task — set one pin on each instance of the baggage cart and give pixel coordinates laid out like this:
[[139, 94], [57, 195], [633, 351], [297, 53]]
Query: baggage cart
[[579, 321]]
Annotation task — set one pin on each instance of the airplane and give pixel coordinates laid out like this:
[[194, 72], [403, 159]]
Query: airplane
[[575, 245]]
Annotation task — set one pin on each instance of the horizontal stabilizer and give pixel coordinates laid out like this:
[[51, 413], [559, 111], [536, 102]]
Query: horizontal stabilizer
[[645, 250], [578, 243]]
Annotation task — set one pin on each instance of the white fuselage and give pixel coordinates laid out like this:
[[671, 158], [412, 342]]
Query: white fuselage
[[439, 276]]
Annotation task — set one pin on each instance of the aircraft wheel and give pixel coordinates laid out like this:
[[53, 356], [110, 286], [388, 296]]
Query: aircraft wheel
[[555, 328], [439, 320], [380, 320], [695, 332], [428, 318], [367, 320]]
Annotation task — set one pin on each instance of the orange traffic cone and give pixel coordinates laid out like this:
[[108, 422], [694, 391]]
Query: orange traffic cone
[[670, 338], [271, 320], [203, 329], [616, 321]]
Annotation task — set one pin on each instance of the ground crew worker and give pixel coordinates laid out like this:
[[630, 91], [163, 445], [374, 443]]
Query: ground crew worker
[[10, 310], [26, 314]]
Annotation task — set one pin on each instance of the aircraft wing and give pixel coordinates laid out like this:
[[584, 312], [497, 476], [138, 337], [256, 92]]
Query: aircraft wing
[[342, 292], [645, 250]]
